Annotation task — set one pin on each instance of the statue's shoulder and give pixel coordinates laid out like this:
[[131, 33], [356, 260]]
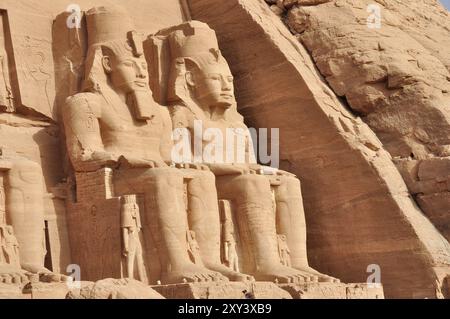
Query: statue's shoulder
[[83, 102]]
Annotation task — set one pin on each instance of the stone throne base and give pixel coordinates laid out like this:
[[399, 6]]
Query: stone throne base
[[268, 290], [130, 289], [334, 291]]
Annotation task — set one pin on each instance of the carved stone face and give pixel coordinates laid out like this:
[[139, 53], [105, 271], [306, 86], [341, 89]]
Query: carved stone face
[[127, 72], [213, 85]]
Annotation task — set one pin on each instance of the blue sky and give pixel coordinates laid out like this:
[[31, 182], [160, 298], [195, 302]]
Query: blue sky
[[446, 3]]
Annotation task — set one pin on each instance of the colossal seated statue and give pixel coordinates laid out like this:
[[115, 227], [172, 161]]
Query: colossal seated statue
[[200, 93], [115, 123]]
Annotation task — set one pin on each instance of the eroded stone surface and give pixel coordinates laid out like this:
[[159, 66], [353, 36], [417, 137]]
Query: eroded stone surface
[[393, 75]]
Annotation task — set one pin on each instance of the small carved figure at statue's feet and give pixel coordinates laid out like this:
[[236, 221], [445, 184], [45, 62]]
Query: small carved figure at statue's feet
[[192, 273]]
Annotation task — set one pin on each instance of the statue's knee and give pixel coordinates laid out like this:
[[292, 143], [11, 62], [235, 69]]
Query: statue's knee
[[294, 185], [205, 180], [172, 177], [253, 184]]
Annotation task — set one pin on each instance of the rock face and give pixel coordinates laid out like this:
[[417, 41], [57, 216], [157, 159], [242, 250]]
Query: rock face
[[395, 76], [116, 159]]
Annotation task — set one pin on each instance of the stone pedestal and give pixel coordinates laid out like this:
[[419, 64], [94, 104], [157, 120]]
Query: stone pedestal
[[334, 291], [12, 292], [230, 290]]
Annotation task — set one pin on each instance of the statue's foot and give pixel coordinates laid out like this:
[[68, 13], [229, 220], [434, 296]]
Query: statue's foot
[[46, 275], [13, 275], [192, 273], [50, 277], [321, 277], [283, 275], [230, 274]]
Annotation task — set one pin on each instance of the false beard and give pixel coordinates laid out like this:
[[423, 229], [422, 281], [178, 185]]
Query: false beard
[[143, 104]]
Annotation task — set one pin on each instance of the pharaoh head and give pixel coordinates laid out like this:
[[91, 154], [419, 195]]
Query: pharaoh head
[[115, 60], [199, 72], [210, 80], [127, 70], [116, 49]]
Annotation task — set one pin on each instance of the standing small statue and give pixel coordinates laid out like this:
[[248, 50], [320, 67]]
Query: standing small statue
[[193, 248], [230, 256], [131, 227], [10, 246], [283, 250]]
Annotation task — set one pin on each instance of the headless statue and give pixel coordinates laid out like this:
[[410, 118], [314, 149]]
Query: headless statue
[[116, 123], [201, 91]]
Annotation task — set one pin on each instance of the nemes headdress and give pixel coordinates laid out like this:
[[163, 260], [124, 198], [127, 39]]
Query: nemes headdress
[[108, 28], [192, 39], [111, 31], [112, 24]]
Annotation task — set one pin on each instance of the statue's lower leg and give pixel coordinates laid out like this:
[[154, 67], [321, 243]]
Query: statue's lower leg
[[168, 220], [256, 222], [291, 223], [204, 220]]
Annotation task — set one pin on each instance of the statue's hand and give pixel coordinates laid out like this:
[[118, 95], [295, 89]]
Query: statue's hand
[[231, 169], [104, 157], [284, 173], [255, 167], [131, 162], [200, 167]]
